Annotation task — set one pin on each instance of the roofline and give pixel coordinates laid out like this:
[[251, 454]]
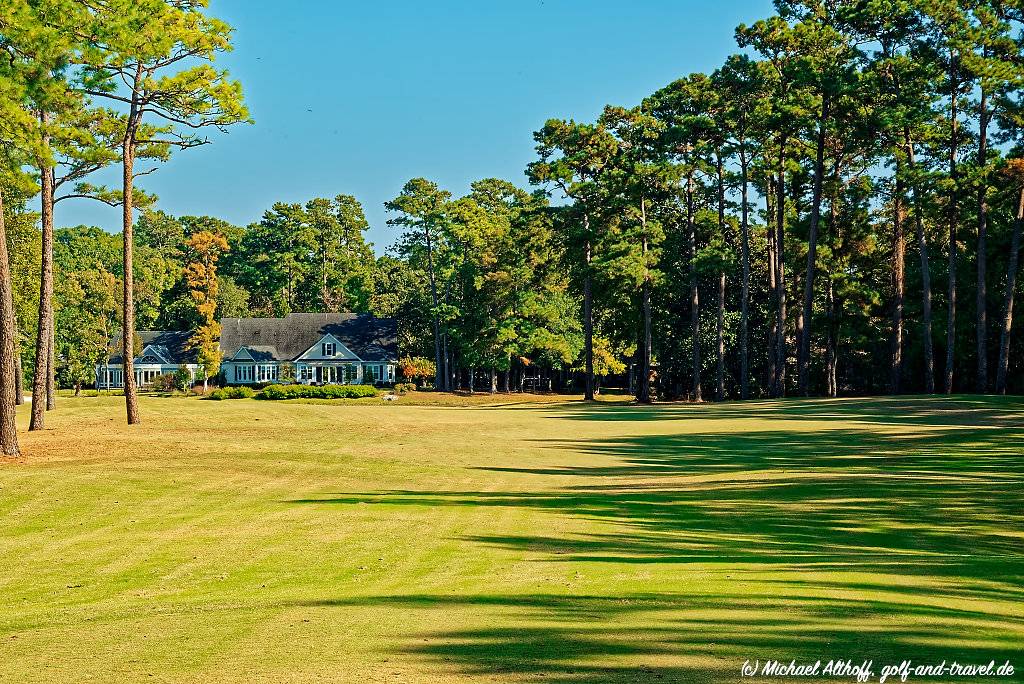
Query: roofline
[[319, 341]]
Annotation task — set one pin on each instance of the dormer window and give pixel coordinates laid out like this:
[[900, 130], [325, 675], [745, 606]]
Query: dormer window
[[329, 349]]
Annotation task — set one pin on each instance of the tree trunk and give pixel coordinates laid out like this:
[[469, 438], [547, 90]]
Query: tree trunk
[[645, 364], [494, 381], [804, 360], [51, 367], [694, 291], [779, 380], [588, 318], [8, 365], [645, 361], [720, 384], [1011, 286], [833, 308], [720, 327], [446, 374], [772, 272], [830, 340], [899, 248], [981, 329], [745, 292], [78, 388], [472, 372], [131, 398], [41, 375], [953, 219], [798, 323], [926, 278], [19, 376]]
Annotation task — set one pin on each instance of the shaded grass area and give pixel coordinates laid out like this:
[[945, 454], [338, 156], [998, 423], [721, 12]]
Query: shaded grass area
[[554, 542]]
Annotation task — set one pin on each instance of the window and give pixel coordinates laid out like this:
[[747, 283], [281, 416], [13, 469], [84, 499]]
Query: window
[[266, 373], [145, 377], [329, 349], [114, 377], [306, 373], [374, 372], [245, 373]]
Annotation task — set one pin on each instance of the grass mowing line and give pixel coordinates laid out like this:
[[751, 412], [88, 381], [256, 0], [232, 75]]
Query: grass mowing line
[[572, 543]]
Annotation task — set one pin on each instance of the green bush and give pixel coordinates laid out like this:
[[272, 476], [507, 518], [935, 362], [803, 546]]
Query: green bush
[[403, 387], [278, 392], [168, 382], [232, 393], [274, 392]]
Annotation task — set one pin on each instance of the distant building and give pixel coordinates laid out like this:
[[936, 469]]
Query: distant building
[[311, 348], [334, 349], [163, 351]]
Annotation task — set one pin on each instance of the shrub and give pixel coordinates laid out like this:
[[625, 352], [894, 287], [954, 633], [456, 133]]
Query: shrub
[[241, 392], [417, 369], [274, 392], [231, 393], [182, 378], [168, 382], [278, 392], [403, 387]]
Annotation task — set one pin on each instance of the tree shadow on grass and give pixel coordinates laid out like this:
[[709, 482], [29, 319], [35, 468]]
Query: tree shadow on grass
[[828, 499], [963, 410], [698, 637], [846, 543]]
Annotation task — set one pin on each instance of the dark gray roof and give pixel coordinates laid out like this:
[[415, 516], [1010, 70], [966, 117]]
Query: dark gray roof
[[171, 345], [285, 339]]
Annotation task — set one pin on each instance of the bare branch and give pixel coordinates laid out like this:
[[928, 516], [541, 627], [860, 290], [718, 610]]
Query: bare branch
[[140, 174], [75, 195]]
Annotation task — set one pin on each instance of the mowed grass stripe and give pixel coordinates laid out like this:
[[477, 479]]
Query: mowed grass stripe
[[507, 541]]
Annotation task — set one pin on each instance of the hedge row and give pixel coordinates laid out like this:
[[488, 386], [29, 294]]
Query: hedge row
[[232, 393], [275, 392]]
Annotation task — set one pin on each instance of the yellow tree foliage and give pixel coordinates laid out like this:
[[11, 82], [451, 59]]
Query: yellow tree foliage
[[201, 277]]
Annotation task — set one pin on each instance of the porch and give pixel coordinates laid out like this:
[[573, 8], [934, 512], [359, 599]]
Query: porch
[[344, 372], [112, 377]]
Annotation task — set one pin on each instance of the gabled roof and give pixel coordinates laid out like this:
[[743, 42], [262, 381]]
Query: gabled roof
[[341, 352], [285, 339], [253, 352], [171, 346], [157, 352]]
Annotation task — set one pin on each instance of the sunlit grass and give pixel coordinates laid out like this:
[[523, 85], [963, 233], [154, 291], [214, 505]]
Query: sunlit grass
[[497, 539]]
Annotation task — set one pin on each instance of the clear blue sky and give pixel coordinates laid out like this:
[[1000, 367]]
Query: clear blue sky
[[357, 97]]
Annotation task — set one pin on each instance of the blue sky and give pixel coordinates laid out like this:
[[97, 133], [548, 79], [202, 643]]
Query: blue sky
[[358, 97]]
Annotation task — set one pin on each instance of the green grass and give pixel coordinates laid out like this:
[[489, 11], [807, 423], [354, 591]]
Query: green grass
[[248, 541]]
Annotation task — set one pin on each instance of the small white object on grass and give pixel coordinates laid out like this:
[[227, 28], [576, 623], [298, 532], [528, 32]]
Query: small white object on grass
[[390, 397]]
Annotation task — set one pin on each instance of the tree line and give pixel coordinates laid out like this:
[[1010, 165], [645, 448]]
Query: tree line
[[836, 209]]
